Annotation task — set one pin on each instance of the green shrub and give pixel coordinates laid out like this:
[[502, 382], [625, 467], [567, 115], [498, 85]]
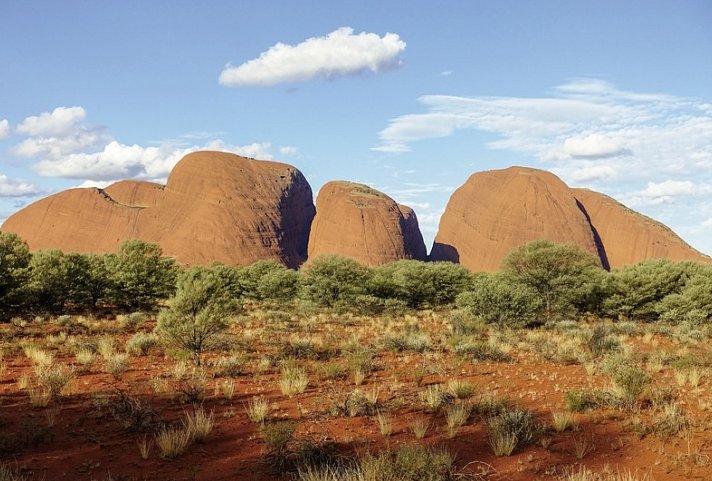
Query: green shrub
[[512, 428], [419, 284], [198, 313], [14, 271], [631, 382], [141, 343], [566, 278], [332, 280], [140, 276], [636, 291], [500, 300]]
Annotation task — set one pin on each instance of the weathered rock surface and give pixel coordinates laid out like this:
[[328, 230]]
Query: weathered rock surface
[[499, 210], [135, 193], [630, 237], [357, 221], [215, 207]]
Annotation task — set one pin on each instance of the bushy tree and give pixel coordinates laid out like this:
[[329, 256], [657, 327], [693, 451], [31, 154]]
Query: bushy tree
[[499, 299], [14, 271], [635, 291], [693, 302], [198, 313], [268, 279], [333, 280], [49, 280], [419, 284], [140, 276], [564, 276], [98, 279]]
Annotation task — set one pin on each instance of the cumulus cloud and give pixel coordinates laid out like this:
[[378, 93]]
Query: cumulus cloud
[[65, 146], [56, 123], [118, 160], [4, 128], [337, 54], [10, 188]]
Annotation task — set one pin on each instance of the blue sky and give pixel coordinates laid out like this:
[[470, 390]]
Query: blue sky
[[409, 97]]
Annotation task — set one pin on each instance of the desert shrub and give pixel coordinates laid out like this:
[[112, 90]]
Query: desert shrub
[[332, 280], [199, 423], [511, 429], [14, 271], [407, 463], [140, 276], [480, 351], [279, 283], [500, 300], [599, 342], [412, 342], [463, 323], [693, 302], [130, 412], [579, 400], [566, 278], [277, 436], [54, 379], [230, 366], [49, 281], [635, 291], [419, 284], [630, 381], [198, 313], [172, 442], [132, 321], [140, 343]]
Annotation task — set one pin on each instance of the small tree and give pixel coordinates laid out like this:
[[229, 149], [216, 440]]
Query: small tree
[[140, 276], [564, 276], [14, 270], [198, 313], [49, 281], [331, 280]]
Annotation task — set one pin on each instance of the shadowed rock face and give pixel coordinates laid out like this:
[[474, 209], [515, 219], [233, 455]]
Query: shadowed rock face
[[357, 221], [630, 237], [214, 207], [499, 210]]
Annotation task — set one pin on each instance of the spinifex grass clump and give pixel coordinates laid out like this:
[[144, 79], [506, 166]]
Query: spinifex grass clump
[[511, 429]]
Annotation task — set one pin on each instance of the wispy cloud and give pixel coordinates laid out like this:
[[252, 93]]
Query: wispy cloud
[[11, 188], [337, 54], [587, 128], [4, 128]]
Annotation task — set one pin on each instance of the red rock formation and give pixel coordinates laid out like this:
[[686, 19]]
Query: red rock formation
[[135, 193], [356, 221], [630, 237], [215, 207], [499, 210]]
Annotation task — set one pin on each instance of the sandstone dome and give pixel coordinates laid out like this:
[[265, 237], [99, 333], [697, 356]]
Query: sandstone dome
[[215, 206], [496, 211], [357, 221]]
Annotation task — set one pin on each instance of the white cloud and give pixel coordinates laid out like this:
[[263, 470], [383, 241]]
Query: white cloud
[[4, 128], [78, 140], [56, 123], [99, 184], [10, 188], [666, 192], [118, 160], [591, 129], [591, 172], [65, 147], [592, 146], [707, 222], [335, 55], [288, 151]]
